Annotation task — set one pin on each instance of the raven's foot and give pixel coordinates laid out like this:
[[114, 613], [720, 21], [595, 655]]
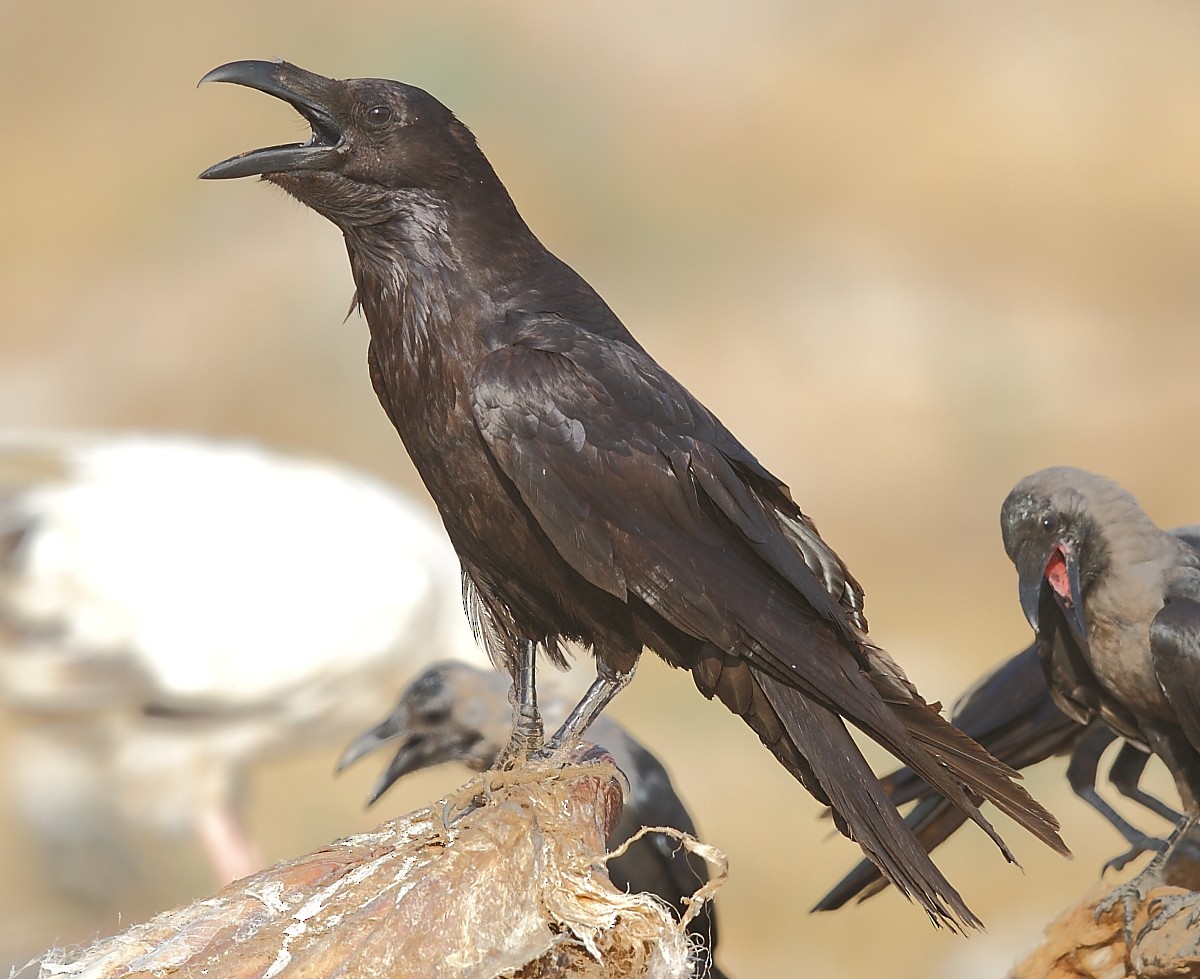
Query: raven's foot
[[474, 795], [526, 741], [458, 804], [1139, 845]]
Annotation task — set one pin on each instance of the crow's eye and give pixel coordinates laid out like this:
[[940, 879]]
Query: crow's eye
[[435, 716], [379, 115], [1050, 523]]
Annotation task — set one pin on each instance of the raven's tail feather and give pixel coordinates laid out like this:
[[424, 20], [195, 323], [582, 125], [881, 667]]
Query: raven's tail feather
[[932, 821], [812, 742], [979, 772], [862, 810]]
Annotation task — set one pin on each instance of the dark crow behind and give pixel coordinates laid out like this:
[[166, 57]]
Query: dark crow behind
[[1115, 603], [1012, 713], [589, 496], [455, 712]]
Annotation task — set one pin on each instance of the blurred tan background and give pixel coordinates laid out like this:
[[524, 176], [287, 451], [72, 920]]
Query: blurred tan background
[[909, 253]]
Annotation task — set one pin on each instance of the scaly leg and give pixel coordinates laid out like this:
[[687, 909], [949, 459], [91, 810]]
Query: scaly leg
[[1132, 894], [527, 732], [608, 684], [1178, 755]]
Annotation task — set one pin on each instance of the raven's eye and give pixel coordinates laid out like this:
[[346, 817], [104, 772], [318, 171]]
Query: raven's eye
[[1050, 523], [379, 115]]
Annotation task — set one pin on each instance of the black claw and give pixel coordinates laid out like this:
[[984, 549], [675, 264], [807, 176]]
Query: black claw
[[1165, 907], [1146, 844]]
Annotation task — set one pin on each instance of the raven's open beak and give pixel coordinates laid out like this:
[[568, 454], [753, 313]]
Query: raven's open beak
[[416, 749], [309, 94]]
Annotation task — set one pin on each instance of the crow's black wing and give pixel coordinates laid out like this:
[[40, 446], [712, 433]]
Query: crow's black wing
[[1175, 646]]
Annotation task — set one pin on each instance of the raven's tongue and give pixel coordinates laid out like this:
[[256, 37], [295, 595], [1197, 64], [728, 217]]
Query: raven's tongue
[[1056, 574]]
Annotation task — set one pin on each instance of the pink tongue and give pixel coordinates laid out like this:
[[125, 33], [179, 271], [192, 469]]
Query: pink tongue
[[1056, 574]]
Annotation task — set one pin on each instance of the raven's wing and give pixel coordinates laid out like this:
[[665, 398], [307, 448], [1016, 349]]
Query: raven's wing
[[621, 468]]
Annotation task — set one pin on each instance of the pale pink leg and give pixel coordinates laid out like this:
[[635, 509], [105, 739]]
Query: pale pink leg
[[232, 854]]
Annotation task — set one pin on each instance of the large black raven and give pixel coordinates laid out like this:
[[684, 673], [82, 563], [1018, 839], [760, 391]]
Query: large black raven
[[590, 496]]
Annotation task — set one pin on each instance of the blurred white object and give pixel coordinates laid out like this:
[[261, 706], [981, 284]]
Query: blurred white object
[[172, 609]]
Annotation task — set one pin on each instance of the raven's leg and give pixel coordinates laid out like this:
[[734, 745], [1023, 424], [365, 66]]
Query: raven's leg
[[1126, 772], [1081, 774], [608, 683], [527, 732]]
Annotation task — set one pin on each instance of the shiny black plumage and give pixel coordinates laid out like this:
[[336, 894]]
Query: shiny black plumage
[[589, 495], [1011, 713]]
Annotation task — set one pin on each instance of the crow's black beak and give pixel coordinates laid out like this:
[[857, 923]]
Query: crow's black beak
[[1057, 572], [313, 96], [415, 749], [388, 730], [1072, 603], [1029, 588]]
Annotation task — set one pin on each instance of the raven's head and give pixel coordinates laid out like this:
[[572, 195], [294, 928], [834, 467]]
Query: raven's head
[[373, 143]]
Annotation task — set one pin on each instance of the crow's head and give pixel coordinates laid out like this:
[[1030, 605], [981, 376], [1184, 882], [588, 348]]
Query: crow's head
[[451, 712], [1054, 533]]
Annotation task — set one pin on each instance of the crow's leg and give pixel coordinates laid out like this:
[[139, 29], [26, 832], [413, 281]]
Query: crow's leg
[[1081, 774], [1126, 773], [1178, 755], [1132, 894], [527, 732]]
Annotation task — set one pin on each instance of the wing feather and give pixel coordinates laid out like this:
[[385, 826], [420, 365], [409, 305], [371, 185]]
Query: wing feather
[[673, 520]]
